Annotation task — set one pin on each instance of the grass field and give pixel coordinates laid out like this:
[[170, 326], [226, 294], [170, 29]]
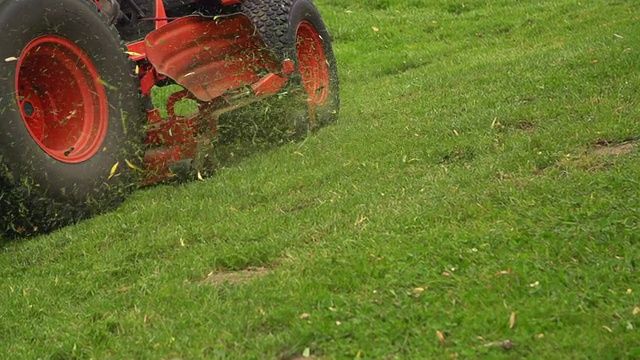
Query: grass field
[[479, 197]]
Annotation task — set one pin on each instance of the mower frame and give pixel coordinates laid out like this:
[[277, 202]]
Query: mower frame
[[222, 64]]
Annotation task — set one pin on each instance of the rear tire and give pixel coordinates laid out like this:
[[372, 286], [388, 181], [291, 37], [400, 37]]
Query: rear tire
[[70, 120]]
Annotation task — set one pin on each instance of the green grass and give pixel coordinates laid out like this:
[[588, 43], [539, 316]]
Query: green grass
[[485, 163]]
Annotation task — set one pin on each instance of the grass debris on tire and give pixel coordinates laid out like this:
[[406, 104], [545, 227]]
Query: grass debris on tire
[[70, 109], [294, 30]]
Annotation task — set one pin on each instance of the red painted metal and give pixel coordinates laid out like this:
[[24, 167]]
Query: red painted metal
[[148, 78], [222, 64], [160, 14], [135, 50], [169, 140], [62, 102], [288, 68], [209, 57], [176, 97], [270, 84], [177, 137], [154, 116], [175, 129], [314, 68], [172, 131], [230, 2]]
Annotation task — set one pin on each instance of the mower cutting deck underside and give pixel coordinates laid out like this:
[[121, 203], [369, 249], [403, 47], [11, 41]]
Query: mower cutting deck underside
[[78, 132]]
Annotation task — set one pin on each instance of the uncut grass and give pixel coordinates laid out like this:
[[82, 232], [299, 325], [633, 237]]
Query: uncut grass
[[463, 164]]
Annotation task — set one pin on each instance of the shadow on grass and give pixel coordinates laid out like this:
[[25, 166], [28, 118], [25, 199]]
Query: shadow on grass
[[249, 131]]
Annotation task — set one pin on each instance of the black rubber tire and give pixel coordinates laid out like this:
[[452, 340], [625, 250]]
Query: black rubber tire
[[276, 22], [38, 193]]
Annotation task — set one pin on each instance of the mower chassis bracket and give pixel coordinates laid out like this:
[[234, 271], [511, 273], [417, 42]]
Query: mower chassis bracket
[[222, 64]]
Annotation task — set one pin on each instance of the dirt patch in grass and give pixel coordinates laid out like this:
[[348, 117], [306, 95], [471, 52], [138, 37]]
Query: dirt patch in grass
[[599, 157], [526, 125], [603, 148], [235, 277], [602, 154]]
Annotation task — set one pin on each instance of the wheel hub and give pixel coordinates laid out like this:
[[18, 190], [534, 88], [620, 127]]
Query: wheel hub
[[61, 98], [28, 108]]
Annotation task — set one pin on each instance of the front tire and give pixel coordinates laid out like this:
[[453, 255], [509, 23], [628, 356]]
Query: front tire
[[294, 30], [70, 128]]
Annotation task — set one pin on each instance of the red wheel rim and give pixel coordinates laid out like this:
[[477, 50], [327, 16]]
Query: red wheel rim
[[61, 99], [314, 67]]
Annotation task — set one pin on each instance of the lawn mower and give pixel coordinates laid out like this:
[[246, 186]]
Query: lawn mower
[[78, 128]]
